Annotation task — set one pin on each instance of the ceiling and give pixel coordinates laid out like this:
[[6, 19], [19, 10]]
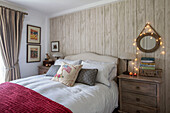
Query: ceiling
[[51, 7]]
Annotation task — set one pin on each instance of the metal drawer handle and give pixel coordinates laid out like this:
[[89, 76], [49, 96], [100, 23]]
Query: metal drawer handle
[[137, 87], [137, 111], [138, 99]]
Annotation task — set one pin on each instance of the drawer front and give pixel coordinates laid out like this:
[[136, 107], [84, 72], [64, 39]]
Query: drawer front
[[139, 87], [43, 71], [138, 99], [136, 109]]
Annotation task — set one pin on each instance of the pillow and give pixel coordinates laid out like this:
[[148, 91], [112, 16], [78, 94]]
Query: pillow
[[113, 72], [67, 74], [53, 70], [73, 62], [104, 70], [87, 76]]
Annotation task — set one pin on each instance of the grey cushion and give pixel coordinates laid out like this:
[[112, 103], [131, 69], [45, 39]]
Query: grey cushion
[[87, 76], [53, 70]]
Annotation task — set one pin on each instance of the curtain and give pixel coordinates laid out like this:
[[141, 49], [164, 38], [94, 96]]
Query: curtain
[[11, 24]]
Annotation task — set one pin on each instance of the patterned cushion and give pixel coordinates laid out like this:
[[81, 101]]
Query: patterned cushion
[[67, 74], [53, 70], [87, 76]]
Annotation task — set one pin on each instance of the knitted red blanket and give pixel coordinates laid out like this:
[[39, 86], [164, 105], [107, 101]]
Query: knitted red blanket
[[15, 98]]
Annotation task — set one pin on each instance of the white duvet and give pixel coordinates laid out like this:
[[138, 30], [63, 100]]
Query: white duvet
[[80, 98]]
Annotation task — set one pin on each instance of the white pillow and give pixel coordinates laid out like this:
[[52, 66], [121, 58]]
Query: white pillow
[[73, 62], [104, 70], [112, 73]]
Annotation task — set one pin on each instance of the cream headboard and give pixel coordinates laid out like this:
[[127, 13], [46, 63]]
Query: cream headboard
[[92, 56]]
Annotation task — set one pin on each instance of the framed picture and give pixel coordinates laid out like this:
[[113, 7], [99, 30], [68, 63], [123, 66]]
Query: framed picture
[[33, 34], [55, 46], [33, 53]]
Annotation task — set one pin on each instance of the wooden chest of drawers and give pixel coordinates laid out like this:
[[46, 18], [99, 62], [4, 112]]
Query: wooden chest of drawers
[[139, 94], [42, 69]]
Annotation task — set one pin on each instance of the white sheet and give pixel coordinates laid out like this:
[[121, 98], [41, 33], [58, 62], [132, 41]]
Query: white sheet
[[79, 99]]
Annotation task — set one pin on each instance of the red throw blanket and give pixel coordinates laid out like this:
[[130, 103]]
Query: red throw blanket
[[15, 98]]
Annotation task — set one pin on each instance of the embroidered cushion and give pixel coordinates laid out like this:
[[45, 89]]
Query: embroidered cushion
[[67, 74], [87, 76], [53, 70]]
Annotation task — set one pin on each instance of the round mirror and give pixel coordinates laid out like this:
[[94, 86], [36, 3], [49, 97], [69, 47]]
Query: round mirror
[[148, 42]]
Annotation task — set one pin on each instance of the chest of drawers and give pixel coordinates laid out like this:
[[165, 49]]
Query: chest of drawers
[[139, 94]]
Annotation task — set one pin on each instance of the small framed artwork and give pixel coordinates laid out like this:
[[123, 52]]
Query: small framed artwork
[[55, 46], [33, 53], [33, 34]]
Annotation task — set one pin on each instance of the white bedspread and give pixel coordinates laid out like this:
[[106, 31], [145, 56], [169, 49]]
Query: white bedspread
[[79, 99]]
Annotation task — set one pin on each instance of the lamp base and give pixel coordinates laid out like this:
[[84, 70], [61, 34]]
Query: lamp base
[[126, 73]]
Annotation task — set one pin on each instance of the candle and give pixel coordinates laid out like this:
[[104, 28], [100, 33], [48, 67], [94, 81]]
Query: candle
[[131, 73], [135, 74]]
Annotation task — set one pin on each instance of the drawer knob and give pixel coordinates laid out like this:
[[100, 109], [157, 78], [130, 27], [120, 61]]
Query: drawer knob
[[137, 111], [137, 87], [137, 99]]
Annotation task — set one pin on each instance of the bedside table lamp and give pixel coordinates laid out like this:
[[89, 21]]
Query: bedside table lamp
[[58, 55], [127, 57]]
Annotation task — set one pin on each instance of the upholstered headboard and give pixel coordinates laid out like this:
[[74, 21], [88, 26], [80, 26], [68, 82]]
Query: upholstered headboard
[[92, 56], [95, 57]]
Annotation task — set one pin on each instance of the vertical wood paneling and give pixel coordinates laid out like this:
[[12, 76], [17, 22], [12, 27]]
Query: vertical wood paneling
[[107, 32], [121, 33], [121, 28], [63, 42], [77, 32], [160, 26], [114, 28], [150, 18], [99, 29], [111, 29], [92, 38], [83, 30], [67, 28], [88, 30], [140, 22], [167, 59]]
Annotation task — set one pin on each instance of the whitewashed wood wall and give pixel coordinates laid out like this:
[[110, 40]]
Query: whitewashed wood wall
[[111, 29]]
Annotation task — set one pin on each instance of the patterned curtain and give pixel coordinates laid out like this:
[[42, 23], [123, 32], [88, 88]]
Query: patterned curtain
[[11, 24]]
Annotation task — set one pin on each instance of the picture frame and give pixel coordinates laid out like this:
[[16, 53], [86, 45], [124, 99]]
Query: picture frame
[[33, 34], [55, 46], [33, 53]]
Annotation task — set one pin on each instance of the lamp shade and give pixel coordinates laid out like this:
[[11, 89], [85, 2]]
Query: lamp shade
[[57, 55], [127, 56]]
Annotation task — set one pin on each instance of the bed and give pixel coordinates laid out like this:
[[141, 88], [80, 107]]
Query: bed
[[80, 98]]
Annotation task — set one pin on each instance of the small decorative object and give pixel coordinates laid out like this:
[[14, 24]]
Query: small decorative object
[[55, 46], [130, 73], [135, 74], [147, 63], [33, 34], [127, 57], [150, 73], [33, 53], [57, 55], [48, 63], [47, 56], [148, 40]]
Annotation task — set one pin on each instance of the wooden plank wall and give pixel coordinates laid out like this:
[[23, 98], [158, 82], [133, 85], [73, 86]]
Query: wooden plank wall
[[110, 30]]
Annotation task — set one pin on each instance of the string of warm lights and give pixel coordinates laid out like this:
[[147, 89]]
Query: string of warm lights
[[147, 29]]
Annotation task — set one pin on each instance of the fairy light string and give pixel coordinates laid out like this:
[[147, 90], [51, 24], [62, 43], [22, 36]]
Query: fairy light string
[[147, 29]]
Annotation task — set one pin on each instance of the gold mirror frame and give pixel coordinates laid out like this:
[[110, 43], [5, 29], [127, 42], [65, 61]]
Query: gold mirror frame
[[148, 50]]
